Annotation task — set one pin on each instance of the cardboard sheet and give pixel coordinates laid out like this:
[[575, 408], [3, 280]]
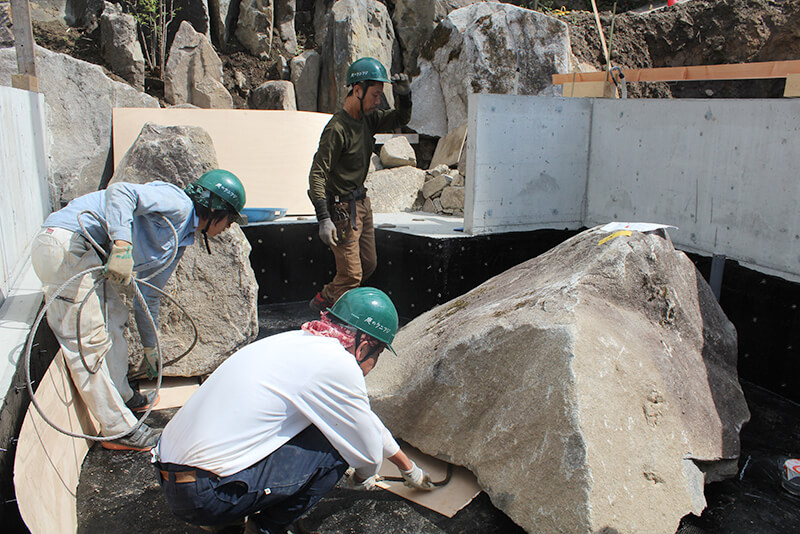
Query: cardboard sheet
[[446, 500], [48, 463], [174, 392], [270, 151]]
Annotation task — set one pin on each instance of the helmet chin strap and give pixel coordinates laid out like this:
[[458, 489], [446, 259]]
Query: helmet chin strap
[[205, 234]]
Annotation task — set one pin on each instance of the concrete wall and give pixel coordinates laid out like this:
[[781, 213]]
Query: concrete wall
[[723, 171], [23, 176]]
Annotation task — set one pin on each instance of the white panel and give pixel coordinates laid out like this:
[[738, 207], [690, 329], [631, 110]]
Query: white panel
[[724, 171], [526, 162], [24, 203]]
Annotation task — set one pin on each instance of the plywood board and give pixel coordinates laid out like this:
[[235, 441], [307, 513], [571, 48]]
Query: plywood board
[[174, 392], [590, 89], [270, 151], [446, 500], [792, 88], [48, 463], [449, 148], [736, 71]]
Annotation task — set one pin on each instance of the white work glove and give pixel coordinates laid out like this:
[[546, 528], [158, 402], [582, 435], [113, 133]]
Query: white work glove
[[327, 232], [368, 484], [401, 84], [150, 361], [119, 267], [417, 478]]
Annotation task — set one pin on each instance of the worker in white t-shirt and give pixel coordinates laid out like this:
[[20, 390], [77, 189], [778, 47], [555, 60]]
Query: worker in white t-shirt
[[277, 424]]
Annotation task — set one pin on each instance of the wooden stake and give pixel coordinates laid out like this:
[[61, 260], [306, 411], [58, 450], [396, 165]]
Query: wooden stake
[[23, 42], [600, 30]]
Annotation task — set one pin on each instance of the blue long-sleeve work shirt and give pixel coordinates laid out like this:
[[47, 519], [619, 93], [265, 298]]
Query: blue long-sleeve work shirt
[[133, 213]]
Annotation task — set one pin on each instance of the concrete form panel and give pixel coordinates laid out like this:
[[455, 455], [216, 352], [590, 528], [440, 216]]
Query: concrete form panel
[[526, 163], [24, 203], [723, 171]]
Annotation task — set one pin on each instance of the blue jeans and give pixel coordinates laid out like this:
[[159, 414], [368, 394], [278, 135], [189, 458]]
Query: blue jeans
[[273, 492]]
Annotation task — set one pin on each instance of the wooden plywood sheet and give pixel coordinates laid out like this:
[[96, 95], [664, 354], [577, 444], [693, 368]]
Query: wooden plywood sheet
[[446, 500], [270, 151], [48, 463], [449, 148], [174, 392]]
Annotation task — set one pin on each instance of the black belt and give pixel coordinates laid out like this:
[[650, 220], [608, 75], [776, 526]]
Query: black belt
[[352, 197]]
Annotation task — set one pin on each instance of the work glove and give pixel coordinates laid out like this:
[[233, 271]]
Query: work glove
[[368, 484], [327, 232], [417, 478], [401, 84], [150, 361], [119, 267]]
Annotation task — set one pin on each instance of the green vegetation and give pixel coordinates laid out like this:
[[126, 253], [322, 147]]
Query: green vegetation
[[153, 18]]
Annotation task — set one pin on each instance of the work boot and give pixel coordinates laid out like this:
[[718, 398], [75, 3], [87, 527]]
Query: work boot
[[143, 438], [319, 303], [140, 403], [250, 527]]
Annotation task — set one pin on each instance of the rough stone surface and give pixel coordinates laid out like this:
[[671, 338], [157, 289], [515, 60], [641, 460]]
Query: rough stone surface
[[284, 24], [219, 291], [414, 22], [375, 163], [305, 77], [194, 72], [274, 94], [434, 186], [395, 190], [452, 198], [182, 153], [587, 388], [222, 18], [486, 47], [120, 45], [356, 28], [398, 152], [6, 33], [79, 99], [255, 27], [458, 179]]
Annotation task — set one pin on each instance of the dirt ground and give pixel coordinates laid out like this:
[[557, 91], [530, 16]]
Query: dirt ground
[[701, 32]]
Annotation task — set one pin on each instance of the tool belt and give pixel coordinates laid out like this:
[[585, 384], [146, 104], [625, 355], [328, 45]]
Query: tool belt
[[339, 211]]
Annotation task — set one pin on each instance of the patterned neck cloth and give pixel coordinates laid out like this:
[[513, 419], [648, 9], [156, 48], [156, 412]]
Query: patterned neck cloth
[[324, 327]]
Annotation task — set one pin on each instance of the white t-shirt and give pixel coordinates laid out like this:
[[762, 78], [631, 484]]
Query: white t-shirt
[[267, 393]]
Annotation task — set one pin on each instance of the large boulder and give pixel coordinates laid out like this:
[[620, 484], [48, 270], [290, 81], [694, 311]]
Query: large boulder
[[590, 389], [218, 291], [398, 152], [356, 28], [256, 26], [395, 190], [6, 33], [120, 45], [182, 153], [194, 72], [414, 22], [274, 94], [305, 77], [222, 19], [486, 47], [284, 24], [79, 99]]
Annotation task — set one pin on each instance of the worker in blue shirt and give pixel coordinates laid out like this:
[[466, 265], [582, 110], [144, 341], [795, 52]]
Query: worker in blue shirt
[[129, 223]]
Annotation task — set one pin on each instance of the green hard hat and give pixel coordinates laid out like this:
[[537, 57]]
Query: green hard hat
[[364, 69], [219, 189], [369, 310]]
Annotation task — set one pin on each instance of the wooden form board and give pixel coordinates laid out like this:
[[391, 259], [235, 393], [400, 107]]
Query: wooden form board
[[270, 151], [792, 85], [737, 71]]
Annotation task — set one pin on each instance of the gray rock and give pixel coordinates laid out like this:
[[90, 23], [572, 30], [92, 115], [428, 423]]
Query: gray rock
[[356, 28], [255, 27], [375, 163], [222, 17], [192, 11], [80, 13], [284, 24], [415, 20], [181, 153], [458, 179], [218, 291], [395, 190], [486, 47], [452, 198], [398, 152], [194, 72], [6, 33], [305, 76], [79, 99], [439, 169], [274, 94], [429, 206], [434, 186], [120, 45], [587, 388]]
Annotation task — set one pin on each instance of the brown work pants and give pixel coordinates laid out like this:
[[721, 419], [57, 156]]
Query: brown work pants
[[355, 254]]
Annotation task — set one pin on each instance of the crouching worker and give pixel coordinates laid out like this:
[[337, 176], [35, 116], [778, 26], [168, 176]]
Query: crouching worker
[[128, 224], [277, 424]]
